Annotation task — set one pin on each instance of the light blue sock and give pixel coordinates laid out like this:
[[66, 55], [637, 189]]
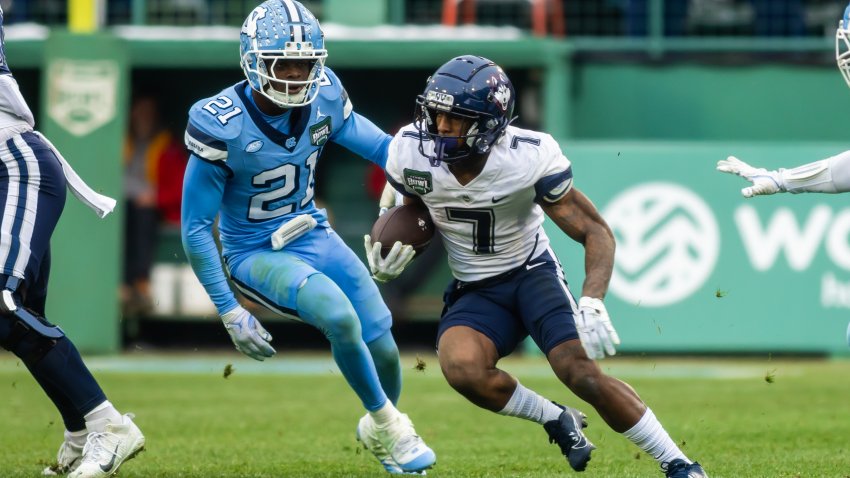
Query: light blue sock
[[322, 304], [385, 354]]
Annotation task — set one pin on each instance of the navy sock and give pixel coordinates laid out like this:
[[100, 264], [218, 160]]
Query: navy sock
[[67, 382]]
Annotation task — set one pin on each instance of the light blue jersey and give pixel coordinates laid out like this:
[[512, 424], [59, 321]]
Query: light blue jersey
[[258, 171]]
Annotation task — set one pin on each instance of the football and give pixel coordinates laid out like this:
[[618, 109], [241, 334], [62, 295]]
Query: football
[[410, 224]]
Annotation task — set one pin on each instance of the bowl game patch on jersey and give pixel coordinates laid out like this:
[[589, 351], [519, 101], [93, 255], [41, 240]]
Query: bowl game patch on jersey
[[419, 181]]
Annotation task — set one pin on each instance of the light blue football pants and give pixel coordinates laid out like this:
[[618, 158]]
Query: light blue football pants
[[320, 280]]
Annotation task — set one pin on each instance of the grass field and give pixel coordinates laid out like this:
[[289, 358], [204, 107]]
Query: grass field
[[295, 416]]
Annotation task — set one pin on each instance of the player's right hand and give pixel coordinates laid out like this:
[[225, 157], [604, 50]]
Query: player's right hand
[[595, 329], [247, 334], [387, 268], [764, 181]]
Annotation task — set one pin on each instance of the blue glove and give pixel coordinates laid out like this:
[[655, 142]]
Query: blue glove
[[247, 334]]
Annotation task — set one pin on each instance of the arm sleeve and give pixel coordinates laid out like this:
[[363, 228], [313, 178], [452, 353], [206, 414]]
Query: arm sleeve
[[831, 175], [11, 100], [362, 137], [555, 173], [551, 188], [203, 187]]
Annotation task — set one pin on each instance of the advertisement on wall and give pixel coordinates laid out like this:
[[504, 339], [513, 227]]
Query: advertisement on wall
[[699, 267]]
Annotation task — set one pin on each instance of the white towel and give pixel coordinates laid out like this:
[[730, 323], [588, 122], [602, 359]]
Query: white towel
[[100, 204]]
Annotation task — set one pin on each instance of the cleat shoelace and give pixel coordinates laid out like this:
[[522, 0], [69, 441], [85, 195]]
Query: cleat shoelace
[[100, 452]]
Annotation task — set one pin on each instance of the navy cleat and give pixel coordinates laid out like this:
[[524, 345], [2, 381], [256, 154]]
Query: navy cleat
[[679, 468], [566, 432]]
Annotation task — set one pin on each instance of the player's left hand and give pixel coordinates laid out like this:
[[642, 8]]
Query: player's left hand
[[764, 182], [387, 268], [595, 330]]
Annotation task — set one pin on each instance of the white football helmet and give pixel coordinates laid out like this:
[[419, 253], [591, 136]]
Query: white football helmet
[[282, 30], [842, 46]]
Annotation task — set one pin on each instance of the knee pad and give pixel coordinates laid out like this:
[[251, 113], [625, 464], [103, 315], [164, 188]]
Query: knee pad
[[27, 344]]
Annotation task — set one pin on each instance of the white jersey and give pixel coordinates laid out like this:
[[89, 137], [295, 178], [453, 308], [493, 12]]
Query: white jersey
[[492, 224]]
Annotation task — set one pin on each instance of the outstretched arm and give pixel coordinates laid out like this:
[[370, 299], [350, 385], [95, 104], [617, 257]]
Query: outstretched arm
[[363, 138], [831, 175]]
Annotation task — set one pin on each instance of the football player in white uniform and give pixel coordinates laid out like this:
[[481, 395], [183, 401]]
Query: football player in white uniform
[[34, 177], [487, 186], [830, 175]]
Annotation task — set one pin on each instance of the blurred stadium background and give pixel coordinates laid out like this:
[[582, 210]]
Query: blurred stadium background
[[644, 96]]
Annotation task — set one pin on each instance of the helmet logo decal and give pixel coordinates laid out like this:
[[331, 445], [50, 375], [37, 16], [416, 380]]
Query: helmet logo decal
[[442, 101], [250, 26], [502, 96]]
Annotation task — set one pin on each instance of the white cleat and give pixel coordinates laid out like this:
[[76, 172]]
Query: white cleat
[[407, 449], [67, 459], [106, 451], [369, 438]]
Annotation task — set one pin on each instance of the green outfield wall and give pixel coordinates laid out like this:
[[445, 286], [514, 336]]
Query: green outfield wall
[[84, 113], [700, 268]]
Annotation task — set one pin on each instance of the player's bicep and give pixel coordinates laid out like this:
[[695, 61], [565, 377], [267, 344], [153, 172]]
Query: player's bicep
[[576, 215], [203, 189]]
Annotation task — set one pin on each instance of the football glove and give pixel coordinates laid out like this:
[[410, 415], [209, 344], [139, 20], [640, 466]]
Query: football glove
[[247, 334], [595, 330], [387, 268], [389, 198], [764, 181]]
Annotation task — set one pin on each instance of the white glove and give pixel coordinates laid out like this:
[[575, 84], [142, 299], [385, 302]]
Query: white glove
[[387, 268], [764, 181], [247, 334], [594, 328]]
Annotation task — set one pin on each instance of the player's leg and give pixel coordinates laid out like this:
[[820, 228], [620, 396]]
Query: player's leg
[[286, 281], [344, 267], [478, 329], [548, 315], [32, 189]]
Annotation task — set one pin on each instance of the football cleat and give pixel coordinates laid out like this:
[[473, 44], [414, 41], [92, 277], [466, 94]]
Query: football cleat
[[67, 459], [566, 432], [367, 436], [106, 451], [406, 448], [679, 468]]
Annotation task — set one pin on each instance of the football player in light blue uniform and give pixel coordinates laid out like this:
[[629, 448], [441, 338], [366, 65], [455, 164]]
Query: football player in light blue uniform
[[255, 147]]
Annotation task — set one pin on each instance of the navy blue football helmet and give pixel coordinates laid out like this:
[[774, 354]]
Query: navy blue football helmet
[[468, 87]]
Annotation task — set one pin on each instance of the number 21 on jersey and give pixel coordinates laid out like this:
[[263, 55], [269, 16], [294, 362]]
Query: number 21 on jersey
[[273, 203]]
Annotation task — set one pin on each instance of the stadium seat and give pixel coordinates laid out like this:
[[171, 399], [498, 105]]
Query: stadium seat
[[540, 11]]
